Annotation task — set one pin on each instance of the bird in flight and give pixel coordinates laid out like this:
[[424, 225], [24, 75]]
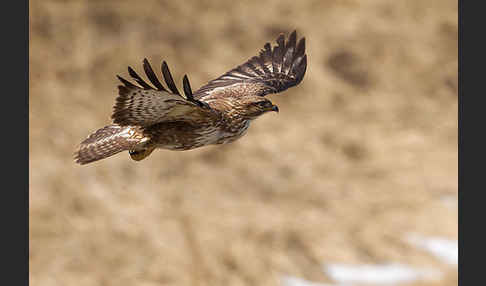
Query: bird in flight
[[147, 117]]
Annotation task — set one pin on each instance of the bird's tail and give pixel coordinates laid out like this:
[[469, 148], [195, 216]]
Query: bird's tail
[[106, 142]]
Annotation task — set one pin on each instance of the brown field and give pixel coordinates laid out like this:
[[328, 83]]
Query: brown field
[[362, 153]]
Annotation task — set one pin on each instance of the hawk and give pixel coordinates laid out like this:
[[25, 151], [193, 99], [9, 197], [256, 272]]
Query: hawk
[[147, 117]]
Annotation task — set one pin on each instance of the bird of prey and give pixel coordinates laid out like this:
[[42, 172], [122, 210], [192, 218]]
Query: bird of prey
[[147, 117]]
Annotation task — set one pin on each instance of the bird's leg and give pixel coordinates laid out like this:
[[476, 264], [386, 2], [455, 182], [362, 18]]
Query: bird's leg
[[141, 154]]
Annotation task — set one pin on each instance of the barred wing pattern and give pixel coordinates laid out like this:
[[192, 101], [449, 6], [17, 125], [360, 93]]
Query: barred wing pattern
[[272, 71], [145, 105]]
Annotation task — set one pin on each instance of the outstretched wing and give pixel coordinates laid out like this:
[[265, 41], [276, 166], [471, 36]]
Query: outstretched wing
[[272, 71], [145, 105]]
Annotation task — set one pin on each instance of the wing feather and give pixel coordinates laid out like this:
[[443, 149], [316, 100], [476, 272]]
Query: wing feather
[[144, 106], [168, 78], [273, 70], [138, 79], [126, 82], [151, 75], [278, 53], [289, 53], [187, 87]]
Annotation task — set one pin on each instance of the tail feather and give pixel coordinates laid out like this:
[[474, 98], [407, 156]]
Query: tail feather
[[106, 142]]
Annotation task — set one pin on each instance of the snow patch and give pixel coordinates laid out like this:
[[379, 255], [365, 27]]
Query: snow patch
[[384, 274], [442, 248], [294, 281]]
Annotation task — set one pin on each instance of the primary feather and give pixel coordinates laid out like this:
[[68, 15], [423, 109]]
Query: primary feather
[[272, 71]]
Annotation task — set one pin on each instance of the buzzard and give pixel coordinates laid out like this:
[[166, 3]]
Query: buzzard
[[146, 117]]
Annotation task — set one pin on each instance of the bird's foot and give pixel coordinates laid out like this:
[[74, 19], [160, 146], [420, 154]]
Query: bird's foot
[[139, 155]]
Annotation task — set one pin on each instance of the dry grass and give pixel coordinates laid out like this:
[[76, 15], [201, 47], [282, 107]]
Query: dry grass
[[360, 155]]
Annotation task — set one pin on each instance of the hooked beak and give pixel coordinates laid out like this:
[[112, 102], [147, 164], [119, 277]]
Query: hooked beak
[[275, 108]]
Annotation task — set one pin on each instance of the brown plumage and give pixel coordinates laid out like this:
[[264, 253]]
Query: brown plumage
[[147, 117]]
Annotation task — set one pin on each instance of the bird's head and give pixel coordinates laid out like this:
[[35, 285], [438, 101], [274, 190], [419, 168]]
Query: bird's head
[[250, 107]]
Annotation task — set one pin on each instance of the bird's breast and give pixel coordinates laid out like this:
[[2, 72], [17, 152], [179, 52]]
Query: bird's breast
[[209, 134], [233, 132]]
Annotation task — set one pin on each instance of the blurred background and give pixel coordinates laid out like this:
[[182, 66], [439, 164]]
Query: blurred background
[[353, 182]]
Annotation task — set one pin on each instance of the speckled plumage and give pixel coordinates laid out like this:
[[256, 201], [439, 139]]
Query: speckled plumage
[[147, 117]]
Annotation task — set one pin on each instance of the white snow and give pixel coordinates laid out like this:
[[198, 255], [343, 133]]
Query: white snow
[[392, 273], [442, 248], [376, 274], [294, 281]]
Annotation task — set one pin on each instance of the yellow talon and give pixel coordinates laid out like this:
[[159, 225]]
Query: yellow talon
[[139, 155]]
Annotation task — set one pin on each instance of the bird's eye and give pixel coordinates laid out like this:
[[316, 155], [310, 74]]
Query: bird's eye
[[264, 104]]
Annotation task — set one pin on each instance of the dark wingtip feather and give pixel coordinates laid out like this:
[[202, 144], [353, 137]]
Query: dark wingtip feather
[[168, 78], [278, 67], [292, 39], [300, 47], [138, 79], [278, 53], [151, 75], [301, 68], [289, 53], [126, 82], [187, 88]]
